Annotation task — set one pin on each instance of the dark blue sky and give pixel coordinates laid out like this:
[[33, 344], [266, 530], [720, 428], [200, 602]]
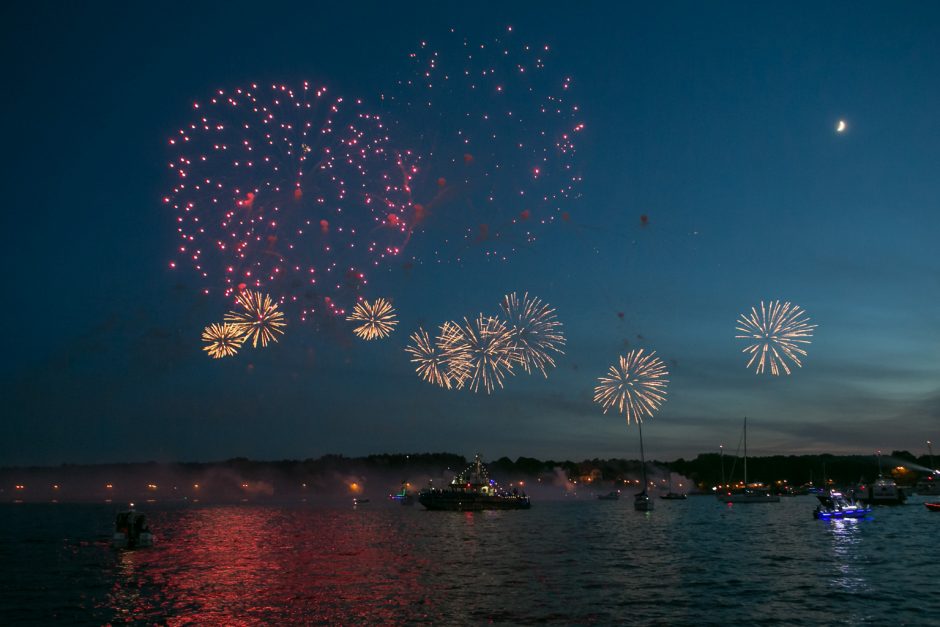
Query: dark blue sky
[[715, 121]]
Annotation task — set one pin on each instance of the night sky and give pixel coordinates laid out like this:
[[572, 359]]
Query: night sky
[[717, 122]]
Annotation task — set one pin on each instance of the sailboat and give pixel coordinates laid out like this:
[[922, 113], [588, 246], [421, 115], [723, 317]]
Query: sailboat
[[670, 495], [642, 501], [748, 494]]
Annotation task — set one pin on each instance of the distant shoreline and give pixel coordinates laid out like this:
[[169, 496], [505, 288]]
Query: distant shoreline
[[337, 476]]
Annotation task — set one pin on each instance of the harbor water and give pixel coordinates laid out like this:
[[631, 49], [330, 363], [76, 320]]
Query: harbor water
[[572, 561]]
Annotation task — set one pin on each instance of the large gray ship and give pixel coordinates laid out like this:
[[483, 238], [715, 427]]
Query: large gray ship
[[473, 490]]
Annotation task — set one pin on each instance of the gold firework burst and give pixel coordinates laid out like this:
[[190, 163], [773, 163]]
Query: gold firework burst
[[635, 385], [222, 340], [536, 332], [456, 354], [259, 318], [776, 333], [378, 319], [431, 366], [483, 347]]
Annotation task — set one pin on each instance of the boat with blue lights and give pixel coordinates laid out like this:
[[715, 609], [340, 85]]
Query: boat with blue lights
[[403, 496], [473, 490], [835, 506]]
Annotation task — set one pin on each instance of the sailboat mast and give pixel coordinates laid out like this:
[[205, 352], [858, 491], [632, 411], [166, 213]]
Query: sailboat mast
[[721, 457], [745, 452], [642, 456]]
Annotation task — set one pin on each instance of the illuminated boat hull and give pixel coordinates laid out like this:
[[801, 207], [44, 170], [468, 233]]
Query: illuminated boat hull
[[465, 501], [860, 512], [835, 506]]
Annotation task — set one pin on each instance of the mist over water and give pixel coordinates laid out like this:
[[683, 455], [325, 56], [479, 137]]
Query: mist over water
[[577, 560]]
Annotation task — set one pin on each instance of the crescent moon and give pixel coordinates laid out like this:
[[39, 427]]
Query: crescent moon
[[841, 126]]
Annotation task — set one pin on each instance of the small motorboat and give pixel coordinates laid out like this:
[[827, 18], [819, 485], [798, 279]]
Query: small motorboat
[[934, 507], [673, 496], [131, 530], [834, 506], [404, 497], [610, 496]]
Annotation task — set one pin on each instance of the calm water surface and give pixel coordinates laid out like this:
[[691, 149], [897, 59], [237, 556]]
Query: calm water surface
[[573, 562]]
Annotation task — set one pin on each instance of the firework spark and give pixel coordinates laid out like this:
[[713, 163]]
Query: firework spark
[[776, 333], [290, 189], [485, 346], [432, 363], [456, 354], [259, 319], [378, 319], [222, 340], [635, 386], [536, 332], [499, 124]]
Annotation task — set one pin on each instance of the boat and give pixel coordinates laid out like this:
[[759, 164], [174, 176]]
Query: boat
[[881, 491], [835, 506], [473, 490], [358, 501], [934, 507], [131, 530], [749, 493], [670, 495], [929, 485], [641, 500], [404, 497], [610, 496]]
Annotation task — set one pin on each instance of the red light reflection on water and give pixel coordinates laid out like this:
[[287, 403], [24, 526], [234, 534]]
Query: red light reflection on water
[[254, 565]]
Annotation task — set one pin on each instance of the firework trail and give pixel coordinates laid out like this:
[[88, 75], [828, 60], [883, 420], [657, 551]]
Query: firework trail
[[635, 386], [484, 346], [222, 340], [536, 332], [288, 189], [496, 125], [258, 319], [378, 319], [776, 334]]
